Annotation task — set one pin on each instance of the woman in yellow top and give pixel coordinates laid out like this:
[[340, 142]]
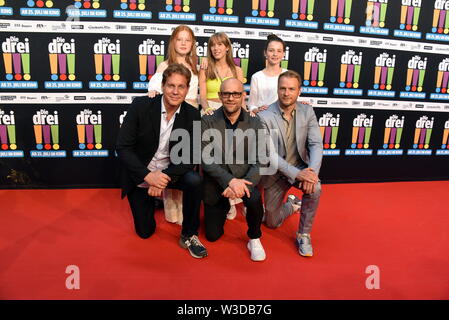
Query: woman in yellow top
[[220, 66]]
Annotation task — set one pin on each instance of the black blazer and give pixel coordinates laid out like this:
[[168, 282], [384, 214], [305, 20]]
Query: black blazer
[[138, 140], [218, 175]]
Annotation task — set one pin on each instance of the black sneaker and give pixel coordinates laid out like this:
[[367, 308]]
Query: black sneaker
[[194, 245]]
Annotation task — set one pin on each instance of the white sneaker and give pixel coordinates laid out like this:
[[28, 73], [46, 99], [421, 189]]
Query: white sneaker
[[295, 202], [232, 213], [256, 249]]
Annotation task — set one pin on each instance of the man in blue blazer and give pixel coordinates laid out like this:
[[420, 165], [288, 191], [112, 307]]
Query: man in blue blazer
[[297, 140], [145, 141]]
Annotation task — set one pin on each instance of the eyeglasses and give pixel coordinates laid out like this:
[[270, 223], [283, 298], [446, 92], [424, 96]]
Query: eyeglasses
[[235, 95]]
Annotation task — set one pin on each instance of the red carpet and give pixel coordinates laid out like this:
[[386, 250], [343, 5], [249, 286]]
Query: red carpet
[[403, 228]]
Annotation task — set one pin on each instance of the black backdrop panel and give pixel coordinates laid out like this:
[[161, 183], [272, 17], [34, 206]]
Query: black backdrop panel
[[376, 72]]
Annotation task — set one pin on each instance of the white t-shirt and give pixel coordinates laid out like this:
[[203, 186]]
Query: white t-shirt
[[263, 90]]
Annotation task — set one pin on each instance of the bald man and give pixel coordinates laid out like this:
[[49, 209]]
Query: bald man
[[231, 170]]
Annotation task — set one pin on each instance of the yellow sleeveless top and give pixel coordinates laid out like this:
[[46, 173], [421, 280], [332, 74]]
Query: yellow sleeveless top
[[213, 87]]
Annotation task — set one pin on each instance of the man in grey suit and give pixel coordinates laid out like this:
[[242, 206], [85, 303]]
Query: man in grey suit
[[231, 166], [297, 140]]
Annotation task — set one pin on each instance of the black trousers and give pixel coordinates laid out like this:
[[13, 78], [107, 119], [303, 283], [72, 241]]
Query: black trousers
[[215, 215], [142, 206]]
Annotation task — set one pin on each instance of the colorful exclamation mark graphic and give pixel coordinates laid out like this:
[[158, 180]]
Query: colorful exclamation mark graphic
[[317, 73], [14, 63], [90, 136], [445, 143], [341, 11], [39, 3], [151, 65], [133, 4], [355, 134], [349, 75], [87, 4], [440, 22], [361, 136], [383, 14], [422, 74], [397, 142], [143, 67], [62, 59], [389, 71], [428, 134], [415, 79], [38, 136], [229, 6], [330, 136], [409, 18], [383, 77], [178, 5], [7, 59], [17, 66], [5, 132], [26, 66], [356, 79], [97, 133], [409, 79], [264, 9], [418, 141], [3, 137], [334, 137], [18, 60], [98, 66], [53, 66], [81, 136], [367, 137], [442, 81], [327, 137], [116, 67], [107, 63], [322, 69], [392, 138], [307, 67], [71, 65], [55, 136], [388, 137], [47, 136], [222, 8], [305, 9]]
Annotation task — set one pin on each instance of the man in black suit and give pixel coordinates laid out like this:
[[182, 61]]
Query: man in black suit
[[144, 144], [231, 166]]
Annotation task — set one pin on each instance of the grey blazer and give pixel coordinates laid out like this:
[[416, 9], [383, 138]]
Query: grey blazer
[[219, 171], [308, 140]]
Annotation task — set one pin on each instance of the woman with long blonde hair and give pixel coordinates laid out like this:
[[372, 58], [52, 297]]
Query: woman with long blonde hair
[[220, 66]]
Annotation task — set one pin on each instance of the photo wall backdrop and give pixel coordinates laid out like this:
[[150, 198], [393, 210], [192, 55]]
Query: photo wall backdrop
[[377, 73]]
